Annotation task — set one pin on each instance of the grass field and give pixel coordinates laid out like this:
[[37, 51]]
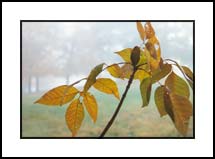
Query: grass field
[[132, 121]]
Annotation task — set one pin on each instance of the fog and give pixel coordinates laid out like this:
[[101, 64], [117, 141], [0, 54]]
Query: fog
[[55, 53]]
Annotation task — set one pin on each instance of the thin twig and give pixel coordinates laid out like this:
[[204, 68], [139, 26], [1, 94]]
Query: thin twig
[[71, 85], [120, 63], [179, 67], [119, 105]]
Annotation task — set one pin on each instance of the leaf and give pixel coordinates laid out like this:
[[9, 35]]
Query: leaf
[[181, 111], [177, 85], [74, 116], [141, 30], [151, 48], [126, 70], [188, 72], [125, 54], [91, 105], [115, 71], [161, 73], [159, 100], [135, 55], [92, 77], [143, 58], [190, 83], [56, 95], [141, 74], [149, 30], [145, 89], [107, 85], [153, 40], [154, 63]]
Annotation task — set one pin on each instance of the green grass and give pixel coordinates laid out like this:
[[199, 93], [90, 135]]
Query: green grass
[[132, 120]]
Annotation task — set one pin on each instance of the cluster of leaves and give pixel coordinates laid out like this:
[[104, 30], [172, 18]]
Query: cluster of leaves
[[147, 66], [75, 112]]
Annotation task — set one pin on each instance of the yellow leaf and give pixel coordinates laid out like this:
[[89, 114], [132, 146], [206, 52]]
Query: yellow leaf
[[143, 58], [107, 85], [92, 77], [91, 105], [56, 95], [149, 30], [125, 54], [141, 30], [154, 63], [177, 85], [153, 40], [141, 74], [74, 116], [181, 110], [115, 71]]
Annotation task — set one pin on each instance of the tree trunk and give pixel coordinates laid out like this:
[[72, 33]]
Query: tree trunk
[[37, 84], [29, 84], [67, 79]]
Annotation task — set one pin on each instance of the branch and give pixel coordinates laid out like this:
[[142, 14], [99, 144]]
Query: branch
[[119, 105], [120, 63], [71, 85], [179, 67]]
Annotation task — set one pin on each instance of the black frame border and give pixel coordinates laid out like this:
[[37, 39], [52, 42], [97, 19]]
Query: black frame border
[[21, 137]]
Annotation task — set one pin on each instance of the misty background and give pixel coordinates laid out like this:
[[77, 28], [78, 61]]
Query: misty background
[[58, 53], [55, 53]]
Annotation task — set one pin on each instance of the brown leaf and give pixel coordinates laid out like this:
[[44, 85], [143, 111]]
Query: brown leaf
[[149, 30], [188, 72], [180, 110], [150, 47], [161, 73]]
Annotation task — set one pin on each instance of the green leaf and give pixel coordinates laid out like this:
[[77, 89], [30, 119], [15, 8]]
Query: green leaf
[[92, 77], [188, 72], [177, 85], [179, 109], [145, 89], [159, 100], [161, 73]]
